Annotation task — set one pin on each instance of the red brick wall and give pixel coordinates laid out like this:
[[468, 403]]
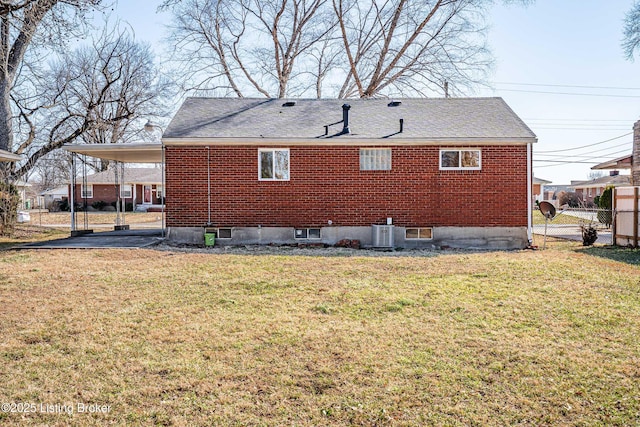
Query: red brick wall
[[326, 184], [107, 193]]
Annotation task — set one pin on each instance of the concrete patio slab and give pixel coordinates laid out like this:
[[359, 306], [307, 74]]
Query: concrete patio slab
[[123, 239]]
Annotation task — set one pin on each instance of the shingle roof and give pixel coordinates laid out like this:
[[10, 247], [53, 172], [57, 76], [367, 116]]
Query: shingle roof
[[424, 119], [131, 176]]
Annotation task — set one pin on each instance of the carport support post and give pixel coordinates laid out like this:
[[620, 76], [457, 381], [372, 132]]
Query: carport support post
[[72, 201]]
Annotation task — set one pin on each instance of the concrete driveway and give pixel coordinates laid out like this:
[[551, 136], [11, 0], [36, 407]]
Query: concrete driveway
[[108, 239]]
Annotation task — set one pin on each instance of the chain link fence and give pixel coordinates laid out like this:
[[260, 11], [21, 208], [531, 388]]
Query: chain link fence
[[568, 224]]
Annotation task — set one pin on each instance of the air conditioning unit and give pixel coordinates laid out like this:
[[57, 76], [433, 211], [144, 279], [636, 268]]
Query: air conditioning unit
[[382, 236]]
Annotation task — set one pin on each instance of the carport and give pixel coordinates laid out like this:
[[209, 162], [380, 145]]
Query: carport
[[122, 236]]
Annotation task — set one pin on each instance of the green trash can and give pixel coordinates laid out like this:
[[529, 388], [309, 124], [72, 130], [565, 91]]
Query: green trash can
[[209, 238]]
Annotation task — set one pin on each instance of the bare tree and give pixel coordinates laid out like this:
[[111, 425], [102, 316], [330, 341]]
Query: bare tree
[[631, 32], [53, 170], [98, 93], [345, 48], [414, 46], [248, 46], [25, 25]]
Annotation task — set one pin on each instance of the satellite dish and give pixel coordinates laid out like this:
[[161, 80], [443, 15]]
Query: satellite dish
[[547, 210]]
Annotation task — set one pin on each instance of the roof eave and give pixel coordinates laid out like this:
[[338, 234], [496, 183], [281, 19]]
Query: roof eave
[[7, 156], [621, 163], [127, 153]]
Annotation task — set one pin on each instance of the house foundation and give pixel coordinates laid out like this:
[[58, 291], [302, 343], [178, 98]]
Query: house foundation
[[490, 238]]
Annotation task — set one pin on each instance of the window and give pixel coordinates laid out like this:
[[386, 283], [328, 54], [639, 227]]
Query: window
[[273, 165], [418, 233], [158, 191], [375, 159], [460, 159], [86, 192], [224, 233], [307, 233], [126, 191]]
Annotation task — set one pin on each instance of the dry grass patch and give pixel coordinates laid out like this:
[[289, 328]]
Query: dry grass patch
[[25, 233], [533, 338], [64, 218]]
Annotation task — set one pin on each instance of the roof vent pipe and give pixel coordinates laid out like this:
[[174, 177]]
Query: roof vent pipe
[[345, 118], [401, 125]]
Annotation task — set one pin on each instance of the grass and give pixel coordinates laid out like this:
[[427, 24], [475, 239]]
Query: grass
[[452, 338], [64, 218], [26, 233], [562, 219]]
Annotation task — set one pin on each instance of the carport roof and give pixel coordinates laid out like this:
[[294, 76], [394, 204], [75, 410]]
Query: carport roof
[[6, 156], [149, 152]]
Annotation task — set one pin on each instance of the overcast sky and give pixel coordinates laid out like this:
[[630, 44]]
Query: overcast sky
[[560, 67]]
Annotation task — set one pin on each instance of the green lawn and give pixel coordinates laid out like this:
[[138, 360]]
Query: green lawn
[[437, 338]]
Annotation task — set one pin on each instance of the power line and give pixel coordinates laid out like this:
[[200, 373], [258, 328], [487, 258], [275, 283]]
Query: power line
[[588, 152], [593, 159], [572, 86], [588, 145]]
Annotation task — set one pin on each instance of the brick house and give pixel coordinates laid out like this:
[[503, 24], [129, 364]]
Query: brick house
[[538, 188], [141, 187], [632, 161], [406, 173]]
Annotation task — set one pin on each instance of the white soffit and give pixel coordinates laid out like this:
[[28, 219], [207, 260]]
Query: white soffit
[[126, 153]]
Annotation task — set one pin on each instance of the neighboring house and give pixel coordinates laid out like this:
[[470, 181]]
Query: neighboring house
[[552, 192], [538, 188], [631, 161], [589, 190], [54, 196], [142, 187], [317, 171], [26, 199]]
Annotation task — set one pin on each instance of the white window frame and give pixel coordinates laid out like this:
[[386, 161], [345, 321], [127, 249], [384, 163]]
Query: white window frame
[[376, 159], [460, 167], [273, 151], [123, 191], [419, 233], [86, 192], [303, 233]]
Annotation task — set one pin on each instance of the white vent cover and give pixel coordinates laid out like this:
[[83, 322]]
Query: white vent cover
[[382, 236]]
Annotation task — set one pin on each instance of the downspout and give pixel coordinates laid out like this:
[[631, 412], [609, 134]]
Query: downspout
[[529, 193], [164, 191], [209, 186]]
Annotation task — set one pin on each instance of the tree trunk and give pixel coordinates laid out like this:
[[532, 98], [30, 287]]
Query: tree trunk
[[6, 127]]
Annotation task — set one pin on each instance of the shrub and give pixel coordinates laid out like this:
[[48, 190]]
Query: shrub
[[605, 216], [99, 205], [569, 198], [9, 202], [589, 234]]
